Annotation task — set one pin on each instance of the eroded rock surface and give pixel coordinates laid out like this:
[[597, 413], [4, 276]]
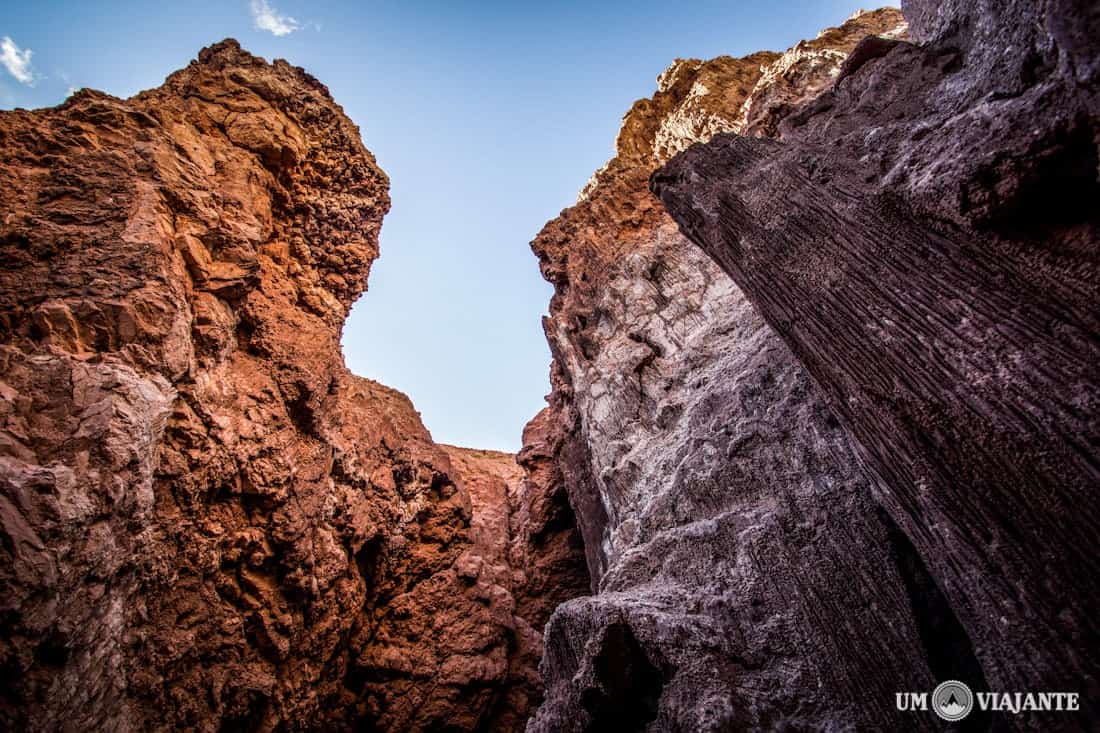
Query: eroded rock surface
[[526, 559], [745, 576], [924, 238], [206, 522]]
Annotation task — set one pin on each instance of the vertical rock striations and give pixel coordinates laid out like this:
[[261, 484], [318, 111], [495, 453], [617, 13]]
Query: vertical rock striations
[[924, 238], [206, 522], [745, 576]]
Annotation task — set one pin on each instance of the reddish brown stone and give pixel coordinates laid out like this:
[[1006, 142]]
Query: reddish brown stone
[[206, 522]]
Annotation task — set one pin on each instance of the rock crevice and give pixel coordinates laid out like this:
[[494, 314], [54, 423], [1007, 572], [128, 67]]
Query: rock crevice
[[823, 424]]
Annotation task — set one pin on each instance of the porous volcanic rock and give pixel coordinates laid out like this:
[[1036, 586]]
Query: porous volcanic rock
[[745, 577], [206, 522], [925, 239]]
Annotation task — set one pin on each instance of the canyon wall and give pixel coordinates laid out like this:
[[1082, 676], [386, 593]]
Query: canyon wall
[[826, 432], [206, 522], [924, 239], [745, 575]]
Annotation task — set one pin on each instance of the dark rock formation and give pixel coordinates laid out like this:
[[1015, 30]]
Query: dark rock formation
[[206, 522], [746, 578], [924, 238]]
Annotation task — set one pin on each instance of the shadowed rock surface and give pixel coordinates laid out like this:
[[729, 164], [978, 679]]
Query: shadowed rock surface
[[745, 577], [206, 522], [924, 238], [525, 560]]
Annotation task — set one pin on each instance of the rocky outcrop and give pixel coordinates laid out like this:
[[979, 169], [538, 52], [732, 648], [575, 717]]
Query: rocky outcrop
[[924, 238], [206, 522], [746, 577], [860, 466]]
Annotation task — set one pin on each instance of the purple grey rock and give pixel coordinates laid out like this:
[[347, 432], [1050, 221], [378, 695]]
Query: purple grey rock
[[924, 237]]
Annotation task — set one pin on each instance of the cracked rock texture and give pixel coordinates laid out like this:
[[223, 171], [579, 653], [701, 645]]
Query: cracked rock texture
[[924, 238], [206, 522], [744, 575]]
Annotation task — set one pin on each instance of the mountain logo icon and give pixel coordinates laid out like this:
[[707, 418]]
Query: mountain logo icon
[[952, 700]]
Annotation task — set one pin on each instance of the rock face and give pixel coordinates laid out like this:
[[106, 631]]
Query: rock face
[[924, 238], [526, 559], [745, 575], [864, 464], [206, 522]]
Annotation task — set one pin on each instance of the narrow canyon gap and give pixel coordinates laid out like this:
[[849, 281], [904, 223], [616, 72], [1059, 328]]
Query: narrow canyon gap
[[822, 426]]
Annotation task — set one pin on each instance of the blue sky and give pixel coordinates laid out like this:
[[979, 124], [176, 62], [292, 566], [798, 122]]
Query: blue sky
[[488, 118]]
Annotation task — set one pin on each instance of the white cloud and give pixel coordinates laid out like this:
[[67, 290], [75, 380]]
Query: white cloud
[[17, 61], [267, 18]]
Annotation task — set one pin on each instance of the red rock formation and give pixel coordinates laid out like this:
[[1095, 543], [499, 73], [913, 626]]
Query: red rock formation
[[206, 522], [526, 559]]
